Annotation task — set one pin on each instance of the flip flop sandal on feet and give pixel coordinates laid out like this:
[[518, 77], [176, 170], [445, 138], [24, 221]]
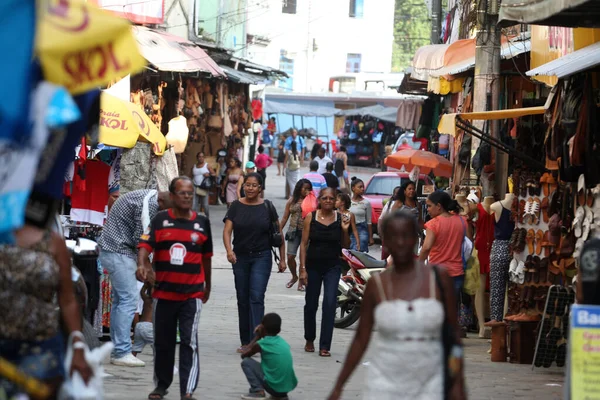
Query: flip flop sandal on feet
[[158, 394], [301, 288], [291, 283], [324, 353], [309, 348]]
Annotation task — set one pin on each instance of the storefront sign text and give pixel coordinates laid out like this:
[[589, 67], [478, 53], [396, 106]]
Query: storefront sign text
[[584, 345]]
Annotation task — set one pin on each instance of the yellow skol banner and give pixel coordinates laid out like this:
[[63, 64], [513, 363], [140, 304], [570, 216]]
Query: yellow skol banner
[[82, 47]]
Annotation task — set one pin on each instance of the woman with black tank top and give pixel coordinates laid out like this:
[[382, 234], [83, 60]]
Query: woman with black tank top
[[324, 235]]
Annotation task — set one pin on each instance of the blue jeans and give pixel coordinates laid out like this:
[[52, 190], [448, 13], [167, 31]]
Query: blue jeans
[[125, 295], [256, 378], [363, 236], [329, 279], [251, 273], [459, 282]]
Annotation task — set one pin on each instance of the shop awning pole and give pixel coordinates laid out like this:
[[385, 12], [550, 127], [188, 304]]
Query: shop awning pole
[[294, 121], [302, 121]]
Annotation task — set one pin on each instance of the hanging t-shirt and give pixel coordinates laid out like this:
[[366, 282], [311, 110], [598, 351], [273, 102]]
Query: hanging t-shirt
[[257, 109], [90, 205]]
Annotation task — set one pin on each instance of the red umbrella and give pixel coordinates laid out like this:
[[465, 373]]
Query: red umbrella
[[425, 160]]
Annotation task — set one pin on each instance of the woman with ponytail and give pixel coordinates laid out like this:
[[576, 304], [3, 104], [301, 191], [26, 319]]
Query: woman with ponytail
[[444, 236]]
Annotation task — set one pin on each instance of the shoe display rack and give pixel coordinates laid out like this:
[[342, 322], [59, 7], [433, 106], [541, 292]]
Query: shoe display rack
[[553, 329], [552, 221]]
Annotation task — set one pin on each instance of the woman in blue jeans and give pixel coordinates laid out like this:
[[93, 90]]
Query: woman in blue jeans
[[361, 208], [249, 219], [324, 235]]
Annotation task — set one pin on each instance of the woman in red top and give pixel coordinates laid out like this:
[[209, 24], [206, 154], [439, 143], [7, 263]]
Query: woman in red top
[[262, 162], [444, 236]]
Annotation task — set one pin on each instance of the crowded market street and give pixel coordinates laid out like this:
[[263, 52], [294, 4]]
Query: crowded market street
[[221, 377]]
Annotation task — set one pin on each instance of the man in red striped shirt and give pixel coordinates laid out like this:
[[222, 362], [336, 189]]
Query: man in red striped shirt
[[181, 241]]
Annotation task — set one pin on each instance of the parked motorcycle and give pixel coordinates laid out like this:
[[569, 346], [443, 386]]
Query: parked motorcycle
[[351, 286]]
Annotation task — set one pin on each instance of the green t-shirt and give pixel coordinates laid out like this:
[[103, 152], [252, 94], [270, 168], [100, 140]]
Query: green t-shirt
[[277, 364]]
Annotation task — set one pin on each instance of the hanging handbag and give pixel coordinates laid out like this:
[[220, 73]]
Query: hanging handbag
[[275, 237]]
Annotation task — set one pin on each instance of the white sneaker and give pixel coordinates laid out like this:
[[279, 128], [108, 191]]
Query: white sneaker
[[128, 361]]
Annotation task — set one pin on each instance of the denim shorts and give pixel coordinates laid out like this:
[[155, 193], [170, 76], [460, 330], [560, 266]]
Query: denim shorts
[[294, 245]]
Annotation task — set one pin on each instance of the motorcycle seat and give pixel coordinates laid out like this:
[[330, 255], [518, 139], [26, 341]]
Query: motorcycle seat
[[367, 260]]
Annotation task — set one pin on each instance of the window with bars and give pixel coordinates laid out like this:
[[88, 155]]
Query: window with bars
[[353, 62], [289, 6]]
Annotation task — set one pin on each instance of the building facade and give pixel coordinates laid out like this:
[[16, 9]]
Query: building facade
[[314, 40]]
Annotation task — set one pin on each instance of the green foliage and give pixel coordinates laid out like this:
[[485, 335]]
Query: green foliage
[[412, 29]]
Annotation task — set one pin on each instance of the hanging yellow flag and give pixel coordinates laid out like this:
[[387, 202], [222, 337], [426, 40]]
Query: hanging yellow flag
[[82, 47]]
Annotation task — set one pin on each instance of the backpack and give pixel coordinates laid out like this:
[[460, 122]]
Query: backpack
[[266, 136], [293, 162]]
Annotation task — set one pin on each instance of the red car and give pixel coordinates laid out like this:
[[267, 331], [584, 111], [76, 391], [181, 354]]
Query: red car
[[382, 184]]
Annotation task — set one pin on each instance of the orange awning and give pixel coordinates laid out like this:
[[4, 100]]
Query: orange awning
[[437, 56]]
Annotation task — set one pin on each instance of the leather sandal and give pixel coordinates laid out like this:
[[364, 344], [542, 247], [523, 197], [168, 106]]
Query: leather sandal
[[539, 239], [535, 211], [530, 238], [544, 208]]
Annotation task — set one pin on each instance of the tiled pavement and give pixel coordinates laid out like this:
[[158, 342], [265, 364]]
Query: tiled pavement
[[221, 377]]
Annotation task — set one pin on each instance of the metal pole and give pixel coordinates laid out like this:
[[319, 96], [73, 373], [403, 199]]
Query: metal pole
[[486, 88], [436, 21]]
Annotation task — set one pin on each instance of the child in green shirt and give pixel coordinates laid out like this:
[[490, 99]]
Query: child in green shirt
[[275, 373]]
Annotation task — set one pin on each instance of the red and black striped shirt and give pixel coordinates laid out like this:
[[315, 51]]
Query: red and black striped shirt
[[179, 247]]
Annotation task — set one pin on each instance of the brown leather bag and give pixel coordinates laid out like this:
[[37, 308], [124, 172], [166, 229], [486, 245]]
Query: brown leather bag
[[215, 121]]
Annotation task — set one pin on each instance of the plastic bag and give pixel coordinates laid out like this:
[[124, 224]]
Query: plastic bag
[[74, 388], [309, 204], [472, 282]]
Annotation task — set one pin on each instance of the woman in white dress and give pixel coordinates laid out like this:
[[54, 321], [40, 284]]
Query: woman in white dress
[[404, 302]]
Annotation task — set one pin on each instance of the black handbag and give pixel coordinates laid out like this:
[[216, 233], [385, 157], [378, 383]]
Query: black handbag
[[276, 238], [207, 183]]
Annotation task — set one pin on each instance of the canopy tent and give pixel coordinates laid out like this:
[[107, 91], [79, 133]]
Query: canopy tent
[[571, 13], [387, 114], [449, 123], [303, 110]]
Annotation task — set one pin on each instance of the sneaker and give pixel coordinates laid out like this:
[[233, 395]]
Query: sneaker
[[250, 396], [127, 361]]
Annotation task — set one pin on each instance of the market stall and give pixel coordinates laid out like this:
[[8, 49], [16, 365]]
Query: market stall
[[540, 218], [365, 132]]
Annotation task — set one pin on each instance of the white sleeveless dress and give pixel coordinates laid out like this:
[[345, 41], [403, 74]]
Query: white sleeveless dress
[[407, 359]]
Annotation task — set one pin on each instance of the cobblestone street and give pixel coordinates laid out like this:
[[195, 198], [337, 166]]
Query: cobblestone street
[[221, 376]]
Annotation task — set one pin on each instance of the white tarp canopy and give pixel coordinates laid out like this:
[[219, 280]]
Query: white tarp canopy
[[303, 110], [382, 113]]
